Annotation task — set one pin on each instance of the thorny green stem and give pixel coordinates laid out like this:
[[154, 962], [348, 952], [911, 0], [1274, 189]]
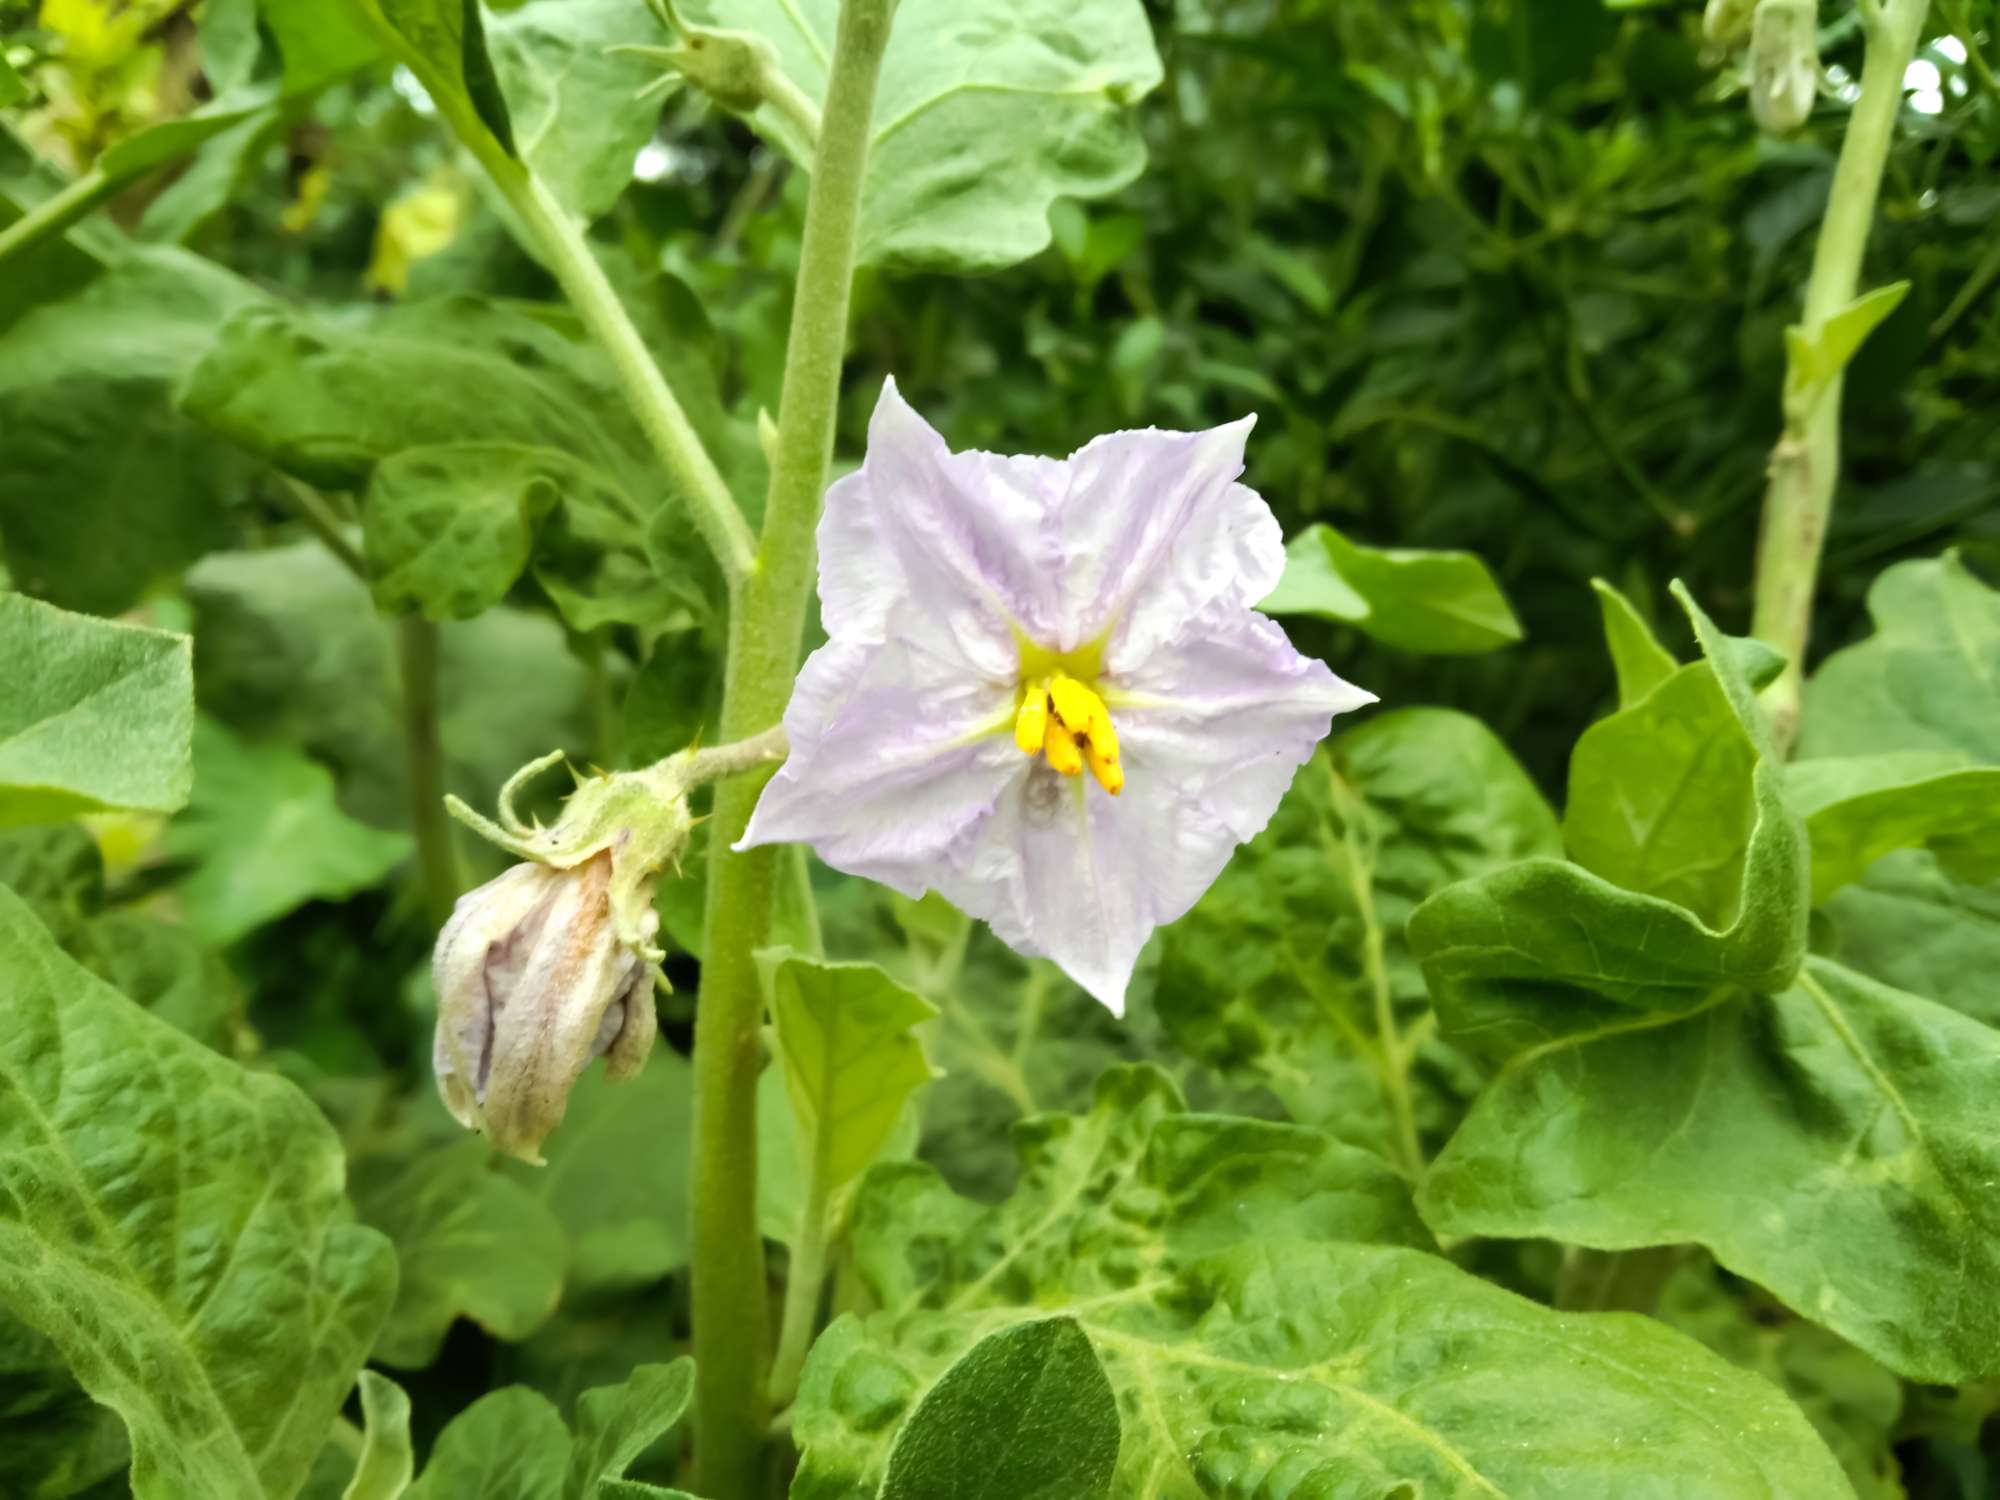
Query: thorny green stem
[[423, 753], [1805, 465], [767, 621]]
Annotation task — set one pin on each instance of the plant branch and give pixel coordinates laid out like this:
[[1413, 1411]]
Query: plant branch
[[56, 212], [1805, 464], [423, 753], [767, 621]]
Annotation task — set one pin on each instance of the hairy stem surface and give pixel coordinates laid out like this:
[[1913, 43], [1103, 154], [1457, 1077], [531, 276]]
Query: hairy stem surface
[[1805, 465]]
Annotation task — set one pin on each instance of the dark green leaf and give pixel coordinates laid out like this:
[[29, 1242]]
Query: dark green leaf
[[508, 1445], [449, 528]]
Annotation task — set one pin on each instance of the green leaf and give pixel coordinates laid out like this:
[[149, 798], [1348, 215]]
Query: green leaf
[[443, 43], [1254, 1343], [85, 387], [1851, 1400], [100, 715], [1272, 977], [1025, 1414], [579, 117], [383, 1470], [13, 89], [616, 1424], [619, 1195], [1676, 797], [1826, 1141], [472, 1243], [1440, 602], [449, 528], [1817, 358], [508, 1445], [1641, 662], [987, 113], [59, 1441], [166, 968], [328, 401], [1909, 924], [848, 1048], [1859, 808], [266, 836], [176, 1226], [57, 870], [1924, 681]]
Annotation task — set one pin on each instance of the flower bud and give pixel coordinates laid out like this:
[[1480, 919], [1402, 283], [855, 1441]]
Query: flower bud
[[1725, 21], [1784, 63], [534, 982]]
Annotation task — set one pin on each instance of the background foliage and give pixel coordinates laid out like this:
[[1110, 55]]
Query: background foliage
[[1504, 280]]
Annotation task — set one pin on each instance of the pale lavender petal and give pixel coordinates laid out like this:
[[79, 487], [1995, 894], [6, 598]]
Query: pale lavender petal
[[951, 549], [894, 761], [1226, 714], [1154, 530]]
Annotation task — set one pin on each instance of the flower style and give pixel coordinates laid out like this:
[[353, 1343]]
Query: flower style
[[1046, 692]]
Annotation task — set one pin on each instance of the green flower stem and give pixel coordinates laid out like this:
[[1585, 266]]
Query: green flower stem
[[56, 212], [1805, 465], [423, 751], [804, 1278], [766, 624]]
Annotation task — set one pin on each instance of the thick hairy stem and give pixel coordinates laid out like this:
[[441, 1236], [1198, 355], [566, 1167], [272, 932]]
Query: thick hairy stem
[[1805, 465], [424, 754], [767, 620]]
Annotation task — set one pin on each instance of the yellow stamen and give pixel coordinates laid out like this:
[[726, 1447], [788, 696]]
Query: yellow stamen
[[1110, 775], [1062, 751], [1031, 725], [1075, 703]]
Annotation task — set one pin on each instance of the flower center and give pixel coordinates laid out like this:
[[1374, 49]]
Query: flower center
[[1066, 722]]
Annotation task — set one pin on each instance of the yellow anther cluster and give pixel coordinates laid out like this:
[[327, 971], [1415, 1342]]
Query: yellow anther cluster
[[1065, 721]]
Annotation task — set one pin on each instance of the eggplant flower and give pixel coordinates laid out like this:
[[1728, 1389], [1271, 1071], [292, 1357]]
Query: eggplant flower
[[552, 964], [533, 984], [1046, 692]]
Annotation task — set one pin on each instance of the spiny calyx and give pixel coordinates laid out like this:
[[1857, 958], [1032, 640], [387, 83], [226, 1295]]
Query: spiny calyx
[[1065, 722]]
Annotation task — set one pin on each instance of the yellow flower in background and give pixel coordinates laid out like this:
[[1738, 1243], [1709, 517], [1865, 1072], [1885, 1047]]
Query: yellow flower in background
[[419, 224]]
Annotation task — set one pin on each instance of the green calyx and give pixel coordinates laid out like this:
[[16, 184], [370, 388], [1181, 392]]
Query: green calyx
[[640, 817]]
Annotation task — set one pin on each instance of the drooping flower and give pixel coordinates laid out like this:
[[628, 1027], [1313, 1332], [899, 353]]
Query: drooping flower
[[552, 964], [1046, 692]]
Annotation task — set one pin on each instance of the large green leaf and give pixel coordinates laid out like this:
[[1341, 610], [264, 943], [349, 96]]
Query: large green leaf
[[99, 715], [176, 1226], [1664, 1080], [1926, 680], [1273, 976], [1025, 1414], [850, 1057], [443, 43], [449, 528], [987, 112], [266, 836], [1911, 925], [1439, 602], [578, 112], [511, 1444], [85, 386], [1859, 808], [1253, 1340], [471, 1242], [619, 1193], [1829, 1141]]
